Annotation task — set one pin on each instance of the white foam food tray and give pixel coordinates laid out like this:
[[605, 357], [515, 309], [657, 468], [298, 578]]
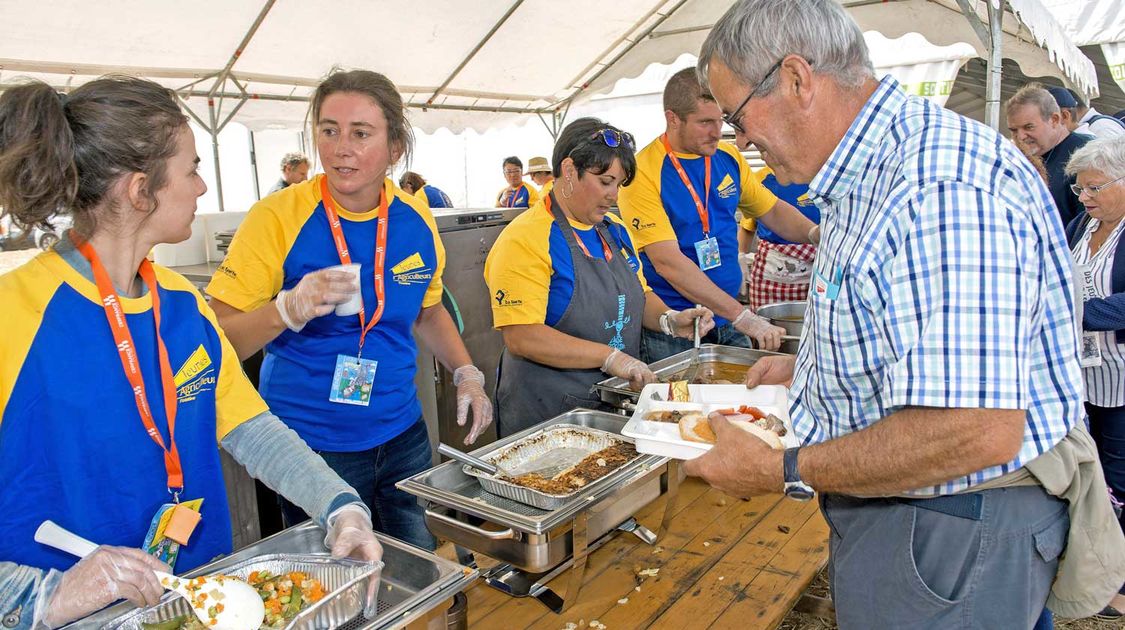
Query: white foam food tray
[[663, 438]]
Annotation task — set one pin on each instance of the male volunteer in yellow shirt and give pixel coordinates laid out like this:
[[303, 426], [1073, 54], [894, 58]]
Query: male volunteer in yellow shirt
[[680, 210]]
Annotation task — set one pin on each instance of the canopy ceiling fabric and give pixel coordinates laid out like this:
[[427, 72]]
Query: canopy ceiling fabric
[[466, 64]]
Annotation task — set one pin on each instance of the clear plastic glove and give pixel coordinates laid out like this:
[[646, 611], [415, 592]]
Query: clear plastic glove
[[316, 295], [767, 336], [683, 322], [469, 382], [350, 536], [629, 368], [101, 578]]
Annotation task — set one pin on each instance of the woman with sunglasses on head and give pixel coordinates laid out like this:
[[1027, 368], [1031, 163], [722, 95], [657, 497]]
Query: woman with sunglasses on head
[[116, 382], [1099, 253], [343, 378], [567, 291]]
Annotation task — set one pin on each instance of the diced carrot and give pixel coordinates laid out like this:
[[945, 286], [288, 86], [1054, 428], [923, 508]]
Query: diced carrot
[[756, 413], [253, 576]]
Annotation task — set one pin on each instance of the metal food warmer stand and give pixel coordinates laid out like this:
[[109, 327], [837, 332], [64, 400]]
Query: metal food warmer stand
[[534, 545], [413, 581]]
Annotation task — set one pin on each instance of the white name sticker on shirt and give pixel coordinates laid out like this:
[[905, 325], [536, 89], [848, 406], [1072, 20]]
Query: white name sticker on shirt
[[352, 380]]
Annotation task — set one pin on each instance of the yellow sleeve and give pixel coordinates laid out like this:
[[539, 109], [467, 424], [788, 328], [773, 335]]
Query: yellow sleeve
[[236, 400], [756, 199], [518, 272], [640, 203], [420, 195], [532, 195], [252, 274]]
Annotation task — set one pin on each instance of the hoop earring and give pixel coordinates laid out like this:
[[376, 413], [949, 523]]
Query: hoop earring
[[567, 192]]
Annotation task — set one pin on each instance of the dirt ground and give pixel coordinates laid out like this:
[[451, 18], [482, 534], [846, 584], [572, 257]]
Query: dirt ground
[[819, 587]]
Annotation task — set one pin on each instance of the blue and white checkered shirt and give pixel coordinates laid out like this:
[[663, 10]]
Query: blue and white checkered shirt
[[942, 280]]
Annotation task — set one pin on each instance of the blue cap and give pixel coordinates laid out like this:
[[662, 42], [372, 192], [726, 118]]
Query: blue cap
[[1063, 97]]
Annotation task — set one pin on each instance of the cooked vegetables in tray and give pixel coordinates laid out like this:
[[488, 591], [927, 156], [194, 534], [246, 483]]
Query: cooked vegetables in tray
[[283, 595]]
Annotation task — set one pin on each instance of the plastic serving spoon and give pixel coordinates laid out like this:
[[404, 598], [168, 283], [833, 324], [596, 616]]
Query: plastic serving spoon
[[242, 606]]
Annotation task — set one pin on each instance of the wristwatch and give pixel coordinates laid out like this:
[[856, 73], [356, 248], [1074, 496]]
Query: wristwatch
[[794, 487]]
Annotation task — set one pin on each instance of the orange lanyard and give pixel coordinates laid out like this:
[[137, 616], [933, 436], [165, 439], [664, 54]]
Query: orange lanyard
[[346, 257], [605, 245], [511, 203], [127, 351], [700, 206]]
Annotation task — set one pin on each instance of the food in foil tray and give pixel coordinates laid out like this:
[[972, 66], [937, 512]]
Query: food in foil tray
[[283, 595], [766, 427], [592, 467]]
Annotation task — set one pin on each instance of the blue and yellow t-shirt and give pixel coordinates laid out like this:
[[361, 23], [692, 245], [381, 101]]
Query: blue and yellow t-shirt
[[796, 195], [524, 197], [286, 236], [658, 207], [434, 197], [73, 448], [530, 270]]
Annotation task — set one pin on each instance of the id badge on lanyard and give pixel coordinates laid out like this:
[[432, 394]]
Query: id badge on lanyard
[[707, 248], [353, 378], [174, 522], [1089, 351]]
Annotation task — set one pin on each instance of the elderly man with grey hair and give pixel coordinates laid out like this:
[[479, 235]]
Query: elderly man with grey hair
[[939, 360], [294, 170]]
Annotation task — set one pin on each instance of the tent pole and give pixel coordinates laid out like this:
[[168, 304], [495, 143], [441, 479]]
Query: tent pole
[[213, 130], [995, 66]]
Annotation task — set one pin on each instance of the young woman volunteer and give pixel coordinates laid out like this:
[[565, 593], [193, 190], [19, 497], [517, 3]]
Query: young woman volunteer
[[344, 379], [115, 380]]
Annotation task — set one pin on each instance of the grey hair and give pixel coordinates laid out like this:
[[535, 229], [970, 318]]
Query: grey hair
[[1102, 154], [293, 159], [754, 34], [1033, 94]]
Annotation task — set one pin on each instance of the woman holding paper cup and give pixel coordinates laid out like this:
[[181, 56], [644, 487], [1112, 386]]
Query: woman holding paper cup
[[342, 377], [568, 292]]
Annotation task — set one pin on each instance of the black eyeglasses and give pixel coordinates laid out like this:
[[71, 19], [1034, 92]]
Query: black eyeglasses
[[733, 118], [612, 138]]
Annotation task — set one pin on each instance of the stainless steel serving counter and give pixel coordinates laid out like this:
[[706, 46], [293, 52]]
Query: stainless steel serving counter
[[413, 582]]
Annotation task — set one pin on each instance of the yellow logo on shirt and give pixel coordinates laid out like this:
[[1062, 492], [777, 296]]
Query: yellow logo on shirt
[[195, 376], [412, 270], [803, 200], [727, 187], [411, 262]]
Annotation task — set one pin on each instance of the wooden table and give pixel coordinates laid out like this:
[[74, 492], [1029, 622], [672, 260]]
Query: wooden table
[[724, 563]]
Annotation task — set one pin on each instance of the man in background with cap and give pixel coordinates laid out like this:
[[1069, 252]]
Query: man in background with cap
[[1034, 118], [1079, 117], [539, 170]]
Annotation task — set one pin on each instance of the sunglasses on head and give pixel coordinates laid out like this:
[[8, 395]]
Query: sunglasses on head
[[613, 138]]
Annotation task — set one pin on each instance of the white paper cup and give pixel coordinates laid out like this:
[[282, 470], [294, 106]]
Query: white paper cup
[[355, 303]]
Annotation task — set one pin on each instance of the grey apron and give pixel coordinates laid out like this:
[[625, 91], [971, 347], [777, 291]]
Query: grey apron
[[607, 307]]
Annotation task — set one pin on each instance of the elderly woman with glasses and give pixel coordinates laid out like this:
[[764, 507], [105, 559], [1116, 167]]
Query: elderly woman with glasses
[[567, 290], [1099, 254]]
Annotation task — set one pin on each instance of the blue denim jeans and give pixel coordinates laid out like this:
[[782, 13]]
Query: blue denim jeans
[[655, 345], [374, 473]]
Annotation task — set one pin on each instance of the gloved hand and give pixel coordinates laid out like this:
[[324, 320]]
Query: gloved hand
[[759, 329], [629, 368], [682, 322], [101, 578], [316, 295], [469, 382], [350, 536]]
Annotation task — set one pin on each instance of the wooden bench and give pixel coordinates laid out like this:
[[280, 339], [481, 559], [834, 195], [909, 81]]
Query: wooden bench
[[724, 563]]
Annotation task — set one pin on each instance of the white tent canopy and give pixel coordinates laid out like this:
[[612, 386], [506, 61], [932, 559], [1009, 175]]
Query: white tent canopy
[[467, 64], [1095, 23]]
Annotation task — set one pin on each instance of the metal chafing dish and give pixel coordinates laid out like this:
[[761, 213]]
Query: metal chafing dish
[[533, 544], [616, 392], [413, 581]]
